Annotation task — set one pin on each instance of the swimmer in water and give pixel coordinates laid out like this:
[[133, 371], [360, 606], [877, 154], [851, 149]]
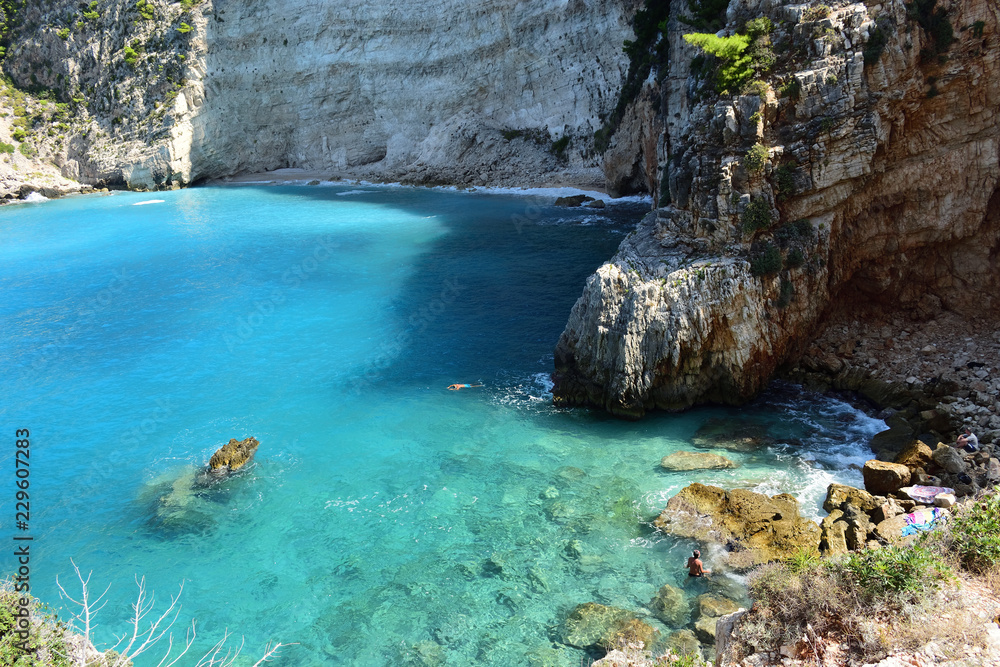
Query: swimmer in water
[[456, 387]]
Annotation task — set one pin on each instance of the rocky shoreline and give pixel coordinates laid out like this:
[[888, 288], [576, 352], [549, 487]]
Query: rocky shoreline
[[928, 378]]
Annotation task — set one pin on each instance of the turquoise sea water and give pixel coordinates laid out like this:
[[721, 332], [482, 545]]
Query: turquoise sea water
[[385, 520]]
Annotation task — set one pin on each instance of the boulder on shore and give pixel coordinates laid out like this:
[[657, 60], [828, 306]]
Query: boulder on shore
[[837, 495], [882, 478], [233, 455], [684, 461], [916, 455], [949, 459], [755, 528]]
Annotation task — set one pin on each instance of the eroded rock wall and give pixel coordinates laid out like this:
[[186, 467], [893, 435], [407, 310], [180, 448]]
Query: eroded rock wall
[[422, 91], [880, 192]]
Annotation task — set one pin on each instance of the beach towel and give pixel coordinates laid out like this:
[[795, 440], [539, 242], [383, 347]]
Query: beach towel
[[922, 520], [925, 494]]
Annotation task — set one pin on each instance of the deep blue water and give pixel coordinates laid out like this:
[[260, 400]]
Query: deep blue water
[[385, 519]]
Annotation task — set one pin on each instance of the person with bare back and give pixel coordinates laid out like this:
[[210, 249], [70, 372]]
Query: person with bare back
[[695, 567]]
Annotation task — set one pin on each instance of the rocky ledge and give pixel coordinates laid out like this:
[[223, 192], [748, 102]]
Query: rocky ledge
[[753, 527], [859, 176]]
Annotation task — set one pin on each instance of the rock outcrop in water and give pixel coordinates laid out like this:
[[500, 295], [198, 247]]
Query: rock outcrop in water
[[860, 175], [753, 527], [233, 455]]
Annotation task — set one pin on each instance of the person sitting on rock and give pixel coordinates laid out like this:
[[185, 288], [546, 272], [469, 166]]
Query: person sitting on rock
[[695, 567], [968, 441]]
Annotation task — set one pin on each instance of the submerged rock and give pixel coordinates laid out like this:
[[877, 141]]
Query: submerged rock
[[733, 435], [754, 527], [714, 606], [233, 455], [179, 502], [683, 461], [592, 625], [684, 642], [671, 606]]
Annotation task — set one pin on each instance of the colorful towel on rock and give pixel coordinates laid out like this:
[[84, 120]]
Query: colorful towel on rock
[[922, 520], [925, 494]]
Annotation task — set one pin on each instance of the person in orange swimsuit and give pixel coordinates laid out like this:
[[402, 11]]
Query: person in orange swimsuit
[[456, 387]]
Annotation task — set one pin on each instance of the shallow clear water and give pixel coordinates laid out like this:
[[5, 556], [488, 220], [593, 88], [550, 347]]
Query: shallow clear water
[[385, 520]]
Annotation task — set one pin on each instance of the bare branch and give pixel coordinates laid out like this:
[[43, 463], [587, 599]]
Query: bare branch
[[147, 631]]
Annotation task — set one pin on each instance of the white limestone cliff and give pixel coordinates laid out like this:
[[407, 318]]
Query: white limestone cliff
[[423, 91]]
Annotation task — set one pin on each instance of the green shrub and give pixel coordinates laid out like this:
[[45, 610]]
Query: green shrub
[[977, 29], [802, 560], [935, 23], [794, 259], [18, 134], [766, 262], [756, 87], [756, 216], [131, 57], [736, 67], [877, 40], [146, 10], [975, 530], [816, 13], [559, 147], [800, 231], [755, 158], [707, 14], [187, 4], [26, 150], [761, 54], [758, 27], [895, 574], [184, 28], [791, 89], [63, 33], [6, 148], [784, 180], [91, 15]]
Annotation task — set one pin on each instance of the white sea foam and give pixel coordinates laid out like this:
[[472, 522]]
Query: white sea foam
[[35, 198], [149, 201], [577, 220], [352, 192]]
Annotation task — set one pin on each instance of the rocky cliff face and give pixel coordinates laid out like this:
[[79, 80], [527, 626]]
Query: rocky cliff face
[[427, 91], [874, 186]]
